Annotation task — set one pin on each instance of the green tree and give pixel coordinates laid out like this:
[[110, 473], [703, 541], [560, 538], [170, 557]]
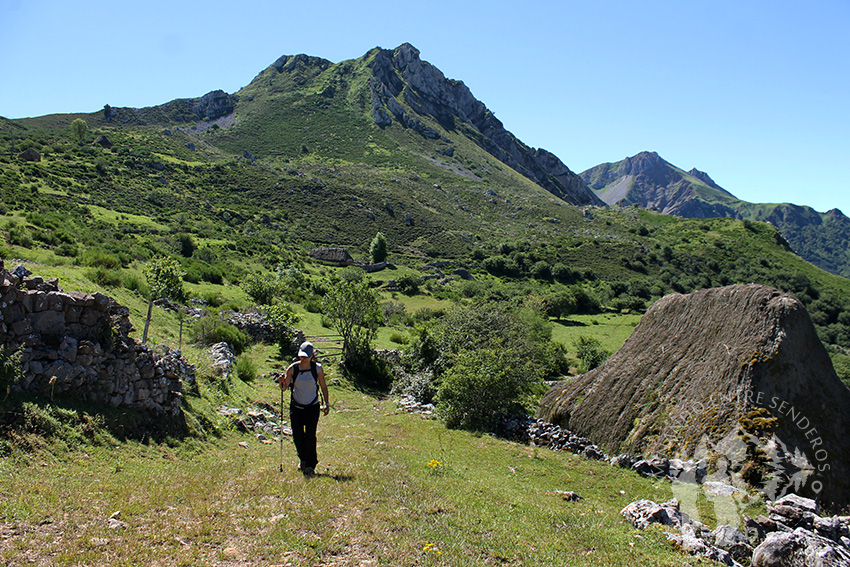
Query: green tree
[[354, 313], [482, 384], [79, 129], [590, 352], [378, 248], [263, 289], [560, 303], [165, 280]]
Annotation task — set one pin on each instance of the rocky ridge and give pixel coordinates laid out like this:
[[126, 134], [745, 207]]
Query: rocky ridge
[[650, 182], [400, 75]]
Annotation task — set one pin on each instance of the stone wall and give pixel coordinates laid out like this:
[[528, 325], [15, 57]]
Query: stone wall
[[78, 345]]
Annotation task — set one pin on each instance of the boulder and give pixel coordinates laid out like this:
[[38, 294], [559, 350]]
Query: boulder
[[800, 548], [643, 513], [30, 155]]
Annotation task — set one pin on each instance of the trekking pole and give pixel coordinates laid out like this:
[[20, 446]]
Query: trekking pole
[[281, 425]]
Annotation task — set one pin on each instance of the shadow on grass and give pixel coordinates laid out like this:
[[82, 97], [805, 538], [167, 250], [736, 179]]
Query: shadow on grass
[[333, 476], [569, 323]]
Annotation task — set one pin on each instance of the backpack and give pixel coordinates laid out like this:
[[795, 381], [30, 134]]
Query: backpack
[[296, 369]]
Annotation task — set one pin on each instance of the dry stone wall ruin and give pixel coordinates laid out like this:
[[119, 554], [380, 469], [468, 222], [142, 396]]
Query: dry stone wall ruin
[[78, 345]]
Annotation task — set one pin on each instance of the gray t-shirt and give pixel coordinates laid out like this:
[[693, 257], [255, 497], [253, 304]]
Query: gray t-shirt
[[305, 391]]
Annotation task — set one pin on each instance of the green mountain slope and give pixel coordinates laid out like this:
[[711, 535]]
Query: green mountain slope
[[646, 180], [313, 153]]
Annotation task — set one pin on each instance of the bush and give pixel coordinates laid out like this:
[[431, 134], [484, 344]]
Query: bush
[[399, 338], [262, 289], [99, 259], [394, 313], [482, 384], [105, 277], [245, 369], [590, 352], [418, 385], [66, 249], [208, 331], [541, 270], [134, 282]]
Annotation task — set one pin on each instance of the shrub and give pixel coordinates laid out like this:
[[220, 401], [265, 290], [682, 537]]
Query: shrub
[[245, 369], [66, 249], [394, 313], [482, 384], [590, 352], [208, 331], [541, 270], [262, 289], [409, 284], [419, 385], [99, 259], [134, 282], [105, 277], [399, 338], [282, 319]]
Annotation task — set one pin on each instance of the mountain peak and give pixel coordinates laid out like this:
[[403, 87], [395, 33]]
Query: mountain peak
[[643, 162], [412, 92], [703, 176]]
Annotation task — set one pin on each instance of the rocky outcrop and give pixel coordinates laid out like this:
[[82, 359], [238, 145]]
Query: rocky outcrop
[[400, 75], [733, 375], [78, 345], [213, 105], [30, 155], [103, 141]]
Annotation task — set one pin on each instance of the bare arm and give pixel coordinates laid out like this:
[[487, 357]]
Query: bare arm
[[323, 385], [285, 379]]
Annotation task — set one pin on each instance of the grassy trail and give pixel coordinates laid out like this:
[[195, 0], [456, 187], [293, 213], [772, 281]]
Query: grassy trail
[[392, 489]]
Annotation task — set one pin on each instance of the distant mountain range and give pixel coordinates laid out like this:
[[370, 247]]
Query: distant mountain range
[[648, 181]]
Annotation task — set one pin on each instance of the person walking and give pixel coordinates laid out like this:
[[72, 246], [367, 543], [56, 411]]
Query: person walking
[[305, 378]]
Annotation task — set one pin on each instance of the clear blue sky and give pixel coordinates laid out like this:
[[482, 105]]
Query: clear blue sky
[[755, 93]]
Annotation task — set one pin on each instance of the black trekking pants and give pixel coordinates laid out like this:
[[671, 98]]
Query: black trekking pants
[[304, 421]]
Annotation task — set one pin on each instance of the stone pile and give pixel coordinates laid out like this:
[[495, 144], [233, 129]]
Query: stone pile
[[222, 359], [78, 344], [538, 433], [254, 324], [410, 404], [263, 422], [792, 535]]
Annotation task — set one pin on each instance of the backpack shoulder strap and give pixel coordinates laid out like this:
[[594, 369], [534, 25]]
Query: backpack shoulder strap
[[295, 370], [313, 370]]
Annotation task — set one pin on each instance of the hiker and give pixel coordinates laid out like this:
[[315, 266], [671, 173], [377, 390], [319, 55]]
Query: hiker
[[304, 378]]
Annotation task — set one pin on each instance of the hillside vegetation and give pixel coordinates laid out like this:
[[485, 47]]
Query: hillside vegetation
[[238, 188]]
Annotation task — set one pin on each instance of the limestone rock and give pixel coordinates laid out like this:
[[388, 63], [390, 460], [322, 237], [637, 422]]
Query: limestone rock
[[429, 95], [800, 548], [213, 105]]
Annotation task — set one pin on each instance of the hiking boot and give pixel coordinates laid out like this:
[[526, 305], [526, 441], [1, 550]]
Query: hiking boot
[[308, 471]]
